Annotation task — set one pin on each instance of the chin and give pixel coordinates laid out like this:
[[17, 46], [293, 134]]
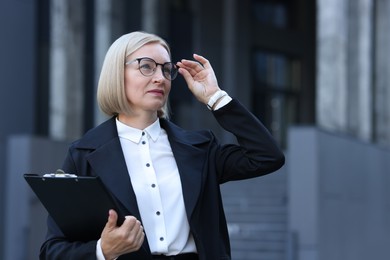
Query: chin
[[157, 107]]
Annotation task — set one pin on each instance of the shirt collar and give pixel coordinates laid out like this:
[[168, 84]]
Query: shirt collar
[[154, 130], [135, 135]]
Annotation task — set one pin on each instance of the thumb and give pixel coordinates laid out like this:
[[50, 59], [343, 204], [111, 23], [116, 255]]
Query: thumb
[[112, 218]]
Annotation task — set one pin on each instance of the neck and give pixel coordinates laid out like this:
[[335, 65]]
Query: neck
[[138, 121]]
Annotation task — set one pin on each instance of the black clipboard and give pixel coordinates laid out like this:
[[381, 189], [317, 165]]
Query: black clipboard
[[79, 205]]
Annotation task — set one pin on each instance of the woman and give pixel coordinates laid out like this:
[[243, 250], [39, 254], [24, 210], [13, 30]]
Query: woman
[[166, 178]]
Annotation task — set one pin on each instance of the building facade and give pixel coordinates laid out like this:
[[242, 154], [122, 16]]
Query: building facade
[[323, 64]]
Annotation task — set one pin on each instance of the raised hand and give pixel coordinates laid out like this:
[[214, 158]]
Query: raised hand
[[200, 77]]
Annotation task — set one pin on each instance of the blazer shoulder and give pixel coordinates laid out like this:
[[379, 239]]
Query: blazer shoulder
[[192, 137], [98, 135]]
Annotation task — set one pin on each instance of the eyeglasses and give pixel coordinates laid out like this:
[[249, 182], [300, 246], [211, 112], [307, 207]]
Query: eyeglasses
[[148, 66]]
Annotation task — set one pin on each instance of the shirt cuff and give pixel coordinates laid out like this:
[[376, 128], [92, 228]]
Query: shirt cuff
[[99, 252], [224, 101]]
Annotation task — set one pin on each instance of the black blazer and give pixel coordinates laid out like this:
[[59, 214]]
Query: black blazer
[[203, 165]]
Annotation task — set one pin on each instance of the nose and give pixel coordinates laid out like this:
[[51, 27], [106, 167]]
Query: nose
[[158, 74]]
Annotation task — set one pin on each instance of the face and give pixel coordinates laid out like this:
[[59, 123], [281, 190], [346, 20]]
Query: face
[[147, 94]]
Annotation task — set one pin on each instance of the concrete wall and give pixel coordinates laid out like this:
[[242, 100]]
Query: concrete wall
[[25, 217], [256, 212], [339, 201], [18, 80]]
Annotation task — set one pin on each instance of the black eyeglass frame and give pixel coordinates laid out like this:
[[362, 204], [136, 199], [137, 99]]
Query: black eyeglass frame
[[173, 68]]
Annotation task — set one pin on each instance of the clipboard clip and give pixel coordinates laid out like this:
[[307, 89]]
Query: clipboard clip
[[59, 174]]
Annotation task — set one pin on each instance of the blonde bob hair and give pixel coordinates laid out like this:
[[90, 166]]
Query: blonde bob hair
[[111, 94]]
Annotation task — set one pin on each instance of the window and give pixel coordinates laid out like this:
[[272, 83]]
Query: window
[[271, 13], [283, 63], [277, 83]]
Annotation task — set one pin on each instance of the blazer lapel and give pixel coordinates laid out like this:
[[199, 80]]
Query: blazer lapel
[[190, 161], [109, 164]]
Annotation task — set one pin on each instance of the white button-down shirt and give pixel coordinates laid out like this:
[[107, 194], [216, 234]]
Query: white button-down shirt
[[156, 182]]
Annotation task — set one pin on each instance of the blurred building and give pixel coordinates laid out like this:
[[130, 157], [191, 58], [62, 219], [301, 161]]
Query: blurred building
[[317, 73]]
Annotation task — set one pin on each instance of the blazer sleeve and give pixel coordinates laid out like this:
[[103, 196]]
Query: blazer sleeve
[[256, 153], [57, 247]]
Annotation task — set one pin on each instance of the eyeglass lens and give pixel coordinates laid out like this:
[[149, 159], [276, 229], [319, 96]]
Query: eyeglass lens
[[148, 67]]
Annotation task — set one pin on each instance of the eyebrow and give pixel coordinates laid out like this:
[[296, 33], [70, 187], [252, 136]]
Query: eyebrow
[[137, 59]]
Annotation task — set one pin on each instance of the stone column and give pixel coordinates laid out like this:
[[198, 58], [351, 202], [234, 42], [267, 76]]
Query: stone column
[[360, 90], [229, 57], [150, 16], [353, 68], [332, 40], [382, 73], [103, 32], [66, 69], [229, 46]]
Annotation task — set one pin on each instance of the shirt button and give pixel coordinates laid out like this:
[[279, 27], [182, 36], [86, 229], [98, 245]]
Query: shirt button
[[143, 133], [148, 165], [161, 239], [143, 142], [153, 185], [158, 213]]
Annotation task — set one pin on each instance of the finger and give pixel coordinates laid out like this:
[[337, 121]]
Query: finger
[[130, 222], [202, 60], [137, 226], [141, 237], [135, 235], [141, 232], [192, 66], [112, 219], [187, 76], [138, 233]]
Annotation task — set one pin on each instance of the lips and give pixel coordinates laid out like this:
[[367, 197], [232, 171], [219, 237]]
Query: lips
[[156, 92]]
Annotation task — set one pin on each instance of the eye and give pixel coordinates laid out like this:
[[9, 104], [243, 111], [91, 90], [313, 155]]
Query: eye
[[167, 70], [146, 66], [168, 67]]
